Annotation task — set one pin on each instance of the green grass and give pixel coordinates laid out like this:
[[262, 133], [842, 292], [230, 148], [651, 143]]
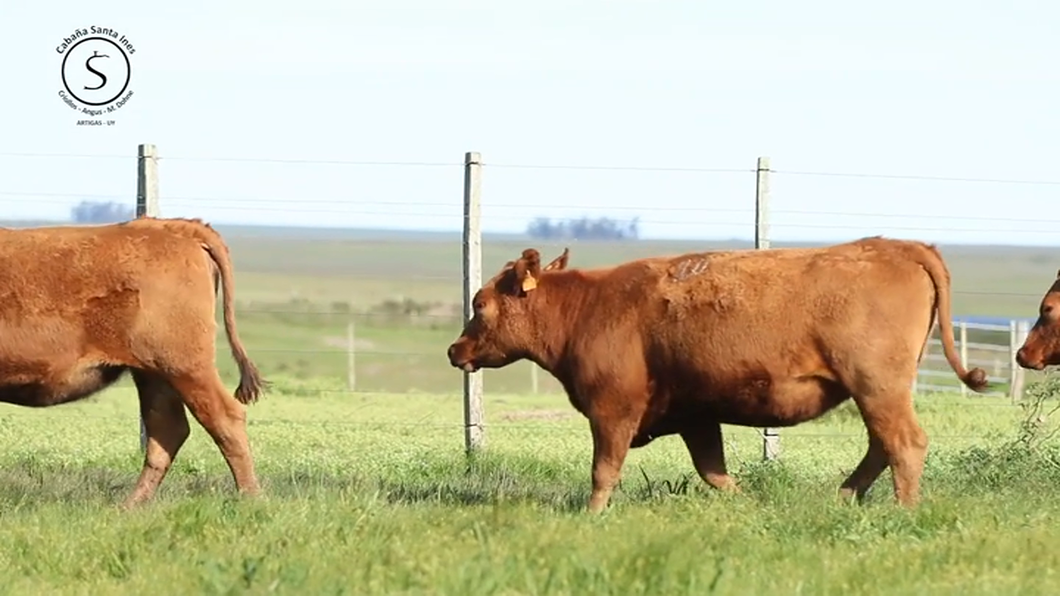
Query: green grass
[[371, 493]]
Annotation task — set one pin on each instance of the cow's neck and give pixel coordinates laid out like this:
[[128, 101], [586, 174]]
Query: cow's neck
[[556, 312]]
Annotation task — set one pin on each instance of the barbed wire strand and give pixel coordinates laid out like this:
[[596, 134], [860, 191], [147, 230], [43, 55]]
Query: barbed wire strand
[[631, 168]]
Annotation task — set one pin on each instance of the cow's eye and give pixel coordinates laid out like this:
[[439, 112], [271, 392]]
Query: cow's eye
[[479, 305], [1047, 310]]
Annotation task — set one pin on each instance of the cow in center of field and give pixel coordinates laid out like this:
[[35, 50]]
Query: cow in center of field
[[681, 345], [1042, 346]]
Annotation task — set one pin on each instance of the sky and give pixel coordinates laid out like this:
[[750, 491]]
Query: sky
[[358, 114]]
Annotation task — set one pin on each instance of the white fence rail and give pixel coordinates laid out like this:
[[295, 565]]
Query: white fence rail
[[991, 347]]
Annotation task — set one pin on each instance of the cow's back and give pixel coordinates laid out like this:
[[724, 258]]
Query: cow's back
[[60, 265], [733, 321], [793, 292]]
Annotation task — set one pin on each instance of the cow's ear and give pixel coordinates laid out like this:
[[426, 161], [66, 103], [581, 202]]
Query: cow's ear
[[527, 270], [560, 262]]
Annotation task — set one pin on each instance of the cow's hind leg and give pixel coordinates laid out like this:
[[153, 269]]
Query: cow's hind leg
[[224, 418], [704, 444], [864, 476], [166, 425], [891, 419]]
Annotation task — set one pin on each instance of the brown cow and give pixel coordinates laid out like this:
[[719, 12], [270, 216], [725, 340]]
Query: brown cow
[[681, 345], [80, 305], [1042, 346]]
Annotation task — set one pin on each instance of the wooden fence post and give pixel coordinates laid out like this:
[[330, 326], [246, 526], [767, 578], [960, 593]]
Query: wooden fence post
[[1015, 387], [770, 436], [963, 326], [1023, 328], [146, 205], [1017, 335], [923, 358], [351, 351], [474, 433]]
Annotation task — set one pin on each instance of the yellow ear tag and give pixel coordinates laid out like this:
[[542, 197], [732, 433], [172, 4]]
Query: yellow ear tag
[[529, 283]]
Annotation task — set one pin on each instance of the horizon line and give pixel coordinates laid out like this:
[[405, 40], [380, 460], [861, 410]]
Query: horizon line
[[37, 222]]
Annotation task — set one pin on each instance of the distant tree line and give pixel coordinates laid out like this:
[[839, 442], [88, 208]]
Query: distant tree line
[[97, 212], [603, 228]]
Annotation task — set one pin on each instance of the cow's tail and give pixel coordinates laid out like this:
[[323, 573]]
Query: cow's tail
[[251, 383], [931, 261]]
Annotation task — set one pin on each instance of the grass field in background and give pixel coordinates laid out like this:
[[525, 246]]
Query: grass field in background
[[310, 280], [371, 494]]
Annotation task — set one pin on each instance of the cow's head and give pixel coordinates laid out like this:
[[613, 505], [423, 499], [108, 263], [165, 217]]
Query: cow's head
[[502, 329], [1042, 346]]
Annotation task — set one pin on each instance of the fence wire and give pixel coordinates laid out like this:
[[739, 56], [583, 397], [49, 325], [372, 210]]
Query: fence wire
[[717, 212]]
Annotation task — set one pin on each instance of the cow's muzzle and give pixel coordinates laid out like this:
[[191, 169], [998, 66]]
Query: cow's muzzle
[[458, 360], [1024, 361]]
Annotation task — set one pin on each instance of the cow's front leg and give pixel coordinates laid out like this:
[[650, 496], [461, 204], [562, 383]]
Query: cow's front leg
[[613, 429]]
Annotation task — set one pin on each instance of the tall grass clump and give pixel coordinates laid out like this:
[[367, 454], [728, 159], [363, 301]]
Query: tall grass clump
[[1027, 459]]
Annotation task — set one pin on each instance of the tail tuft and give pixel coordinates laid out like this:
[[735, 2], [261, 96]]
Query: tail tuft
[[975, 379], [251, 383]]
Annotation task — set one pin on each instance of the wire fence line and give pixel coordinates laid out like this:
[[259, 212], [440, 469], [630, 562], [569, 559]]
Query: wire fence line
[[351, 327], [457, 164], [1043, 227], [231, 203], [255, 201], [708, 210], [242, 203]]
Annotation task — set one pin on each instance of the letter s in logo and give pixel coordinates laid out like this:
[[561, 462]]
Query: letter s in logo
[[88, 65]]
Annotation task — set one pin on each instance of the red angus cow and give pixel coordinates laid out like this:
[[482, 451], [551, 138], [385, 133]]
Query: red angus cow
[[681, 345]]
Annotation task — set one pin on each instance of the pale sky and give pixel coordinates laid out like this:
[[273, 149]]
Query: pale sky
[[947, 89]]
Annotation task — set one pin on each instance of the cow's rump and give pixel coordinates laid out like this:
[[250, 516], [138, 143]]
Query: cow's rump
[[79, 304]]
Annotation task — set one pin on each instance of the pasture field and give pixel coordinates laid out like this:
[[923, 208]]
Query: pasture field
[[372, 494], [369, 492], [298, 290]]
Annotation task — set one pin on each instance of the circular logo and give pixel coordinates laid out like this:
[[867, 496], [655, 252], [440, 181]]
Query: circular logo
[[96, 71]]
